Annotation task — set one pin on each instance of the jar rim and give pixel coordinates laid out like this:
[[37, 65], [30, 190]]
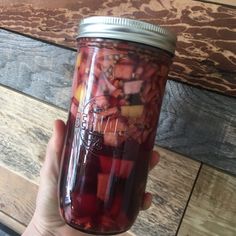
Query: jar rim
[[129, 30]]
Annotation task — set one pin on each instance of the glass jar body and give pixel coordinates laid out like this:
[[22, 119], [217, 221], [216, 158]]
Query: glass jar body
[[117, 93]]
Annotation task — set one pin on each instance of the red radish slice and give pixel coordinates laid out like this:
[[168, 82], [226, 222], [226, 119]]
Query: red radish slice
[[149, 72], [85, 203], [86, 221], [122, 220], [118, 93], [74, 110], [121, 168], [102, 187], [139, 72], [123, 71], [133, 87], [116, 206], [164, 70], [106, 221], [83, 69], [113, 139], [116, 83], [105, 164]]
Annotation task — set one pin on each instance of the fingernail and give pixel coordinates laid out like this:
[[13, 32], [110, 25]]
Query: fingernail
[[147, 201]]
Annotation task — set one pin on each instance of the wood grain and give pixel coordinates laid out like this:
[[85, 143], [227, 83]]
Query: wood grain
[[212, 207], [206, 50], [199, 124], [26, 125], [43, 71], [17, 200], [171, 183], [193, 122]]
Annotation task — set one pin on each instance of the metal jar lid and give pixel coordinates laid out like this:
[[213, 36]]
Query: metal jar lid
[[127, 29]]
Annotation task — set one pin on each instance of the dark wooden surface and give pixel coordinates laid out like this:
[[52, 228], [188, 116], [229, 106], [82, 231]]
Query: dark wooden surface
[[206, 50], [193, 122]]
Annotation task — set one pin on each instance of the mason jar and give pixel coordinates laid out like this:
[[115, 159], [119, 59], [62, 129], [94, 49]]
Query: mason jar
[[118, 86]]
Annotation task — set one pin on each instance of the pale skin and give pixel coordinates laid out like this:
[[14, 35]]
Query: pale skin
[[47, 220]]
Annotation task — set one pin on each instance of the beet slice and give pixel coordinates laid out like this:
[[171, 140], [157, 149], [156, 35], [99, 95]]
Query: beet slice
[[120, 168], [113, 139], [86, 204], [123, 71], [102, 186], [116, 206]]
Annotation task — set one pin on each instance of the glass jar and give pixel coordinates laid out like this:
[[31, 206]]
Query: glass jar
[[118, 86]]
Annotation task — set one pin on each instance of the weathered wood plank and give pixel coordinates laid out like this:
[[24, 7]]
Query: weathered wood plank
[[196, 123], [199, 124], [40, 71], [26, 125], [212, 207], [17, 200], [206, 50]]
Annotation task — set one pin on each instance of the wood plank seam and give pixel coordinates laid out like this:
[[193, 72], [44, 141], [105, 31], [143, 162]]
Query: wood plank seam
[[212, 208], [189, 198], [34, 98], [12, 223], [39, 39], [11, 217]]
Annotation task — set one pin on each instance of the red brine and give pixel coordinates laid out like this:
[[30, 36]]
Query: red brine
[[117, 94]]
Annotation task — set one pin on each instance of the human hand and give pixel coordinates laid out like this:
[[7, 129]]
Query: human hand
[[46, 220]]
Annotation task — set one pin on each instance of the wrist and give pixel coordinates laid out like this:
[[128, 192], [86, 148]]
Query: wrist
[[34, 229], [31, 229]]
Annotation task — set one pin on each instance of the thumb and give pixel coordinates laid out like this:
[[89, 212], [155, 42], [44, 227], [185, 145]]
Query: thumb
[[47, 195], [51, 166]]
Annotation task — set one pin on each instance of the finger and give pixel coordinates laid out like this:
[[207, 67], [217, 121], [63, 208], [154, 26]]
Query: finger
[[154, 159], [58, 137], [147, 201]]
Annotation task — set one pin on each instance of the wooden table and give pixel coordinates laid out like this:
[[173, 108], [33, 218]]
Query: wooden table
[[194, 185]]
